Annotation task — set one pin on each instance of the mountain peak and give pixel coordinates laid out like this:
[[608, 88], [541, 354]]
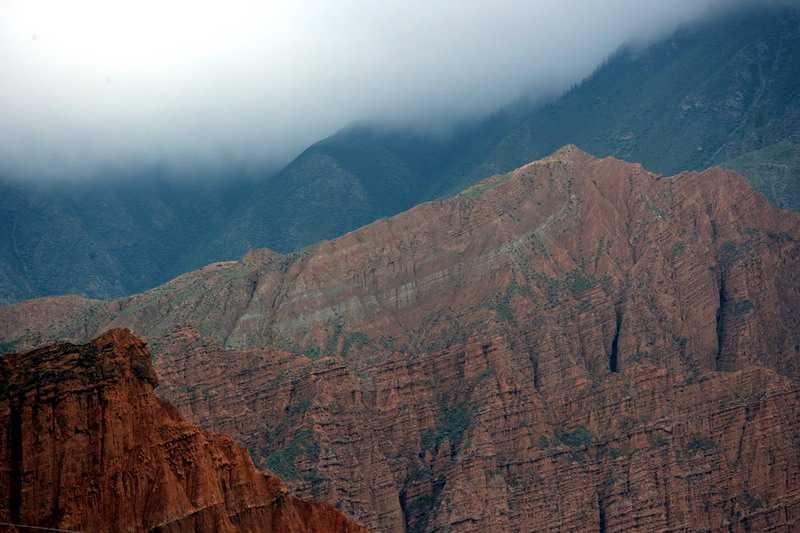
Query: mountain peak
[[567, 153], [570, 150]]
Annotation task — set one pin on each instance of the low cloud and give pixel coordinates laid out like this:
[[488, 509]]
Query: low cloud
[[89, 83]]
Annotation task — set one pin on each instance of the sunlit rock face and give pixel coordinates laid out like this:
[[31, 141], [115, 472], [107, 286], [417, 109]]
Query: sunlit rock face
[[579, 344], [86, 446]]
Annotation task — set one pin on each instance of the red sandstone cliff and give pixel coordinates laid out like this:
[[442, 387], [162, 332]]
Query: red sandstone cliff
[[462, 439], [87, 446], [580, 344]]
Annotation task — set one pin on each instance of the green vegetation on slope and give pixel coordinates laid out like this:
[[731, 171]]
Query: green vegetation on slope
[[774, 171]]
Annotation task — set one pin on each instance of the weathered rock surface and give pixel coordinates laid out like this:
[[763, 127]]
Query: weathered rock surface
[[580, 344], [463, 439], [87, 446]]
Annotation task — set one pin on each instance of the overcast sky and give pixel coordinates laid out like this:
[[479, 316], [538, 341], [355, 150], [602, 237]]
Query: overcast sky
[[88, 82]]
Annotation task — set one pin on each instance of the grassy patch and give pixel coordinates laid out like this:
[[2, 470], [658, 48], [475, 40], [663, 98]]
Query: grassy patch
[[299, 407], [655, 209], [8, 346], [452, 424], [701, 444], [629, 422], [729, 253], [283, 461], [487, 185], [612, 452], [579, 282], [581, 436], [501, 305], [333, 340], [677, 250], [356, 338], [660, 441], [550, 286], [388, 341], [784, 152], [423, 474]]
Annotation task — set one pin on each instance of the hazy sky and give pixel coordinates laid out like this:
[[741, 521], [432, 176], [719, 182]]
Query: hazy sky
[[88, 82]]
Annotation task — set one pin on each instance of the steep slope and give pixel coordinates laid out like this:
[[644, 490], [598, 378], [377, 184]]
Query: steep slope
[[577, 344], [773, 171], [712, 91], [361, 173], [86, 446], [106, 237], [569, 233], [462, 439]]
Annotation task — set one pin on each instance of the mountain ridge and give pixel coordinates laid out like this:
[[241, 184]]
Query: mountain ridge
[[289, 264], [533, 342], [724, 86]]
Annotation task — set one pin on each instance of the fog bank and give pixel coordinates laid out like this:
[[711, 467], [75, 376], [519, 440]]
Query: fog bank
[[89, 83]]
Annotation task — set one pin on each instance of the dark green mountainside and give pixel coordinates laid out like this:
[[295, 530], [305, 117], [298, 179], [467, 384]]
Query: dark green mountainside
[[105, 239], [711, 92], [774, 171], [725, 91], [348, 180]]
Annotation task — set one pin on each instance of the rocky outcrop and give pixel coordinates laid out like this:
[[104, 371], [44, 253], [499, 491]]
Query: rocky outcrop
[[462, 439], [579, 344], [87, 446]]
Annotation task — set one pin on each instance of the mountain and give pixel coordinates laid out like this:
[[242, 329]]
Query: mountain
[[106, 237], [358, 175], [774, 171], [715, 91], [578, 344], [87, 446]]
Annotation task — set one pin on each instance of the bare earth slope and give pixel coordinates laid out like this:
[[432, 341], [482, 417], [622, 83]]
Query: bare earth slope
[[579, 344], [87, 446]]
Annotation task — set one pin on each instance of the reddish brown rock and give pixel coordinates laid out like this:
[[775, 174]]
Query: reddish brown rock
[[87, 446], [567, 244], [462, 439], [580, 344]]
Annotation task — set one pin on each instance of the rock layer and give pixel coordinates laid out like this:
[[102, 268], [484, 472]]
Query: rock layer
[[463, 440], [579, 344], [87, 446]]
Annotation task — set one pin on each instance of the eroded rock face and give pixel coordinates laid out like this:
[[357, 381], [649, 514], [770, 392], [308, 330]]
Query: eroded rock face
[[462, 439], [569, 255], [87, 446], [578, 344]]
